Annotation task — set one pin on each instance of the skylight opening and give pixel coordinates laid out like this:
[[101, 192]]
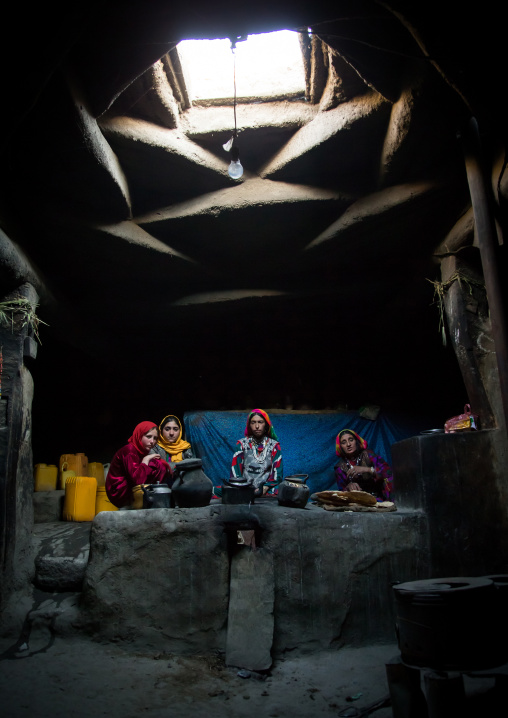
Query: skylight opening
[[268, 66]]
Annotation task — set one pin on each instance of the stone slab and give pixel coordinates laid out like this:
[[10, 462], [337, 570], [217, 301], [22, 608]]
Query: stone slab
[[250, 613], [48, 506], [61, 554], [160, 577]]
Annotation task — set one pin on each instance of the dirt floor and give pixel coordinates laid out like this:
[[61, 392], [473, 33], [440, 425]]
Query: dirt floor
[[58, 677], [51, 674]]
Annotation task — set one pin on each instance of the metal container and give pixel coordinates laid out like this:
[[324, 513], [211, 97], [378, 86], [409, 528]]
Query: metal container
[[448, 623], [156, 496], [238, 494], [237, 490], [293, 491]]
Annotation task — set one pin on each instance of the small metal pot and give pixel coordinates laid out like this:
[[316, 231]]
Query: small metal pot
[[156, 496], [238, 494], [293, 491]]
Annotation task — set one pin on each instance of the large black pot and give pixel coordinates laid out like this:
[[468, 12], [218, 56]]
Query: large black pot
[[448, 624], [191, 487]]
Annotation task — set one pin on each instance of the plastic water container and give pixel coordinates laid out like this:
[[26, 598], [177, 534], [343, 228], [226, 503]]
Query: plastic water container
[[102, 503], [45, 476], [97, 470], [80, 495], [137, 496], [64, 475], [74, 462]]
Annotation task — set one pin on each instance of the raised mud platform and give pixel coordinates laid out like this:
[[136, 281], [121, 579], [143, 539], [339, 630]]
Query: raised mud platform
[[162, 576]]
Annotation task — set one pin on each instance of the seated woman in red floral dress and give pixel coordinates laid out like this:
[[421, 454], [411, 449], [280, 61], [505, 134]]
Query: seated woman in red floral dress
[[359, 468]]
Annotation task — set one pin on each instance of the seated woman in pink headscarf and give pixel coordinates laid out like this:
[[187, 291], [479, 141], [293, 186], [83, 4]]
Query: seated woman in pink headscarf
[[258, 456], [133, 465], [359, 468]]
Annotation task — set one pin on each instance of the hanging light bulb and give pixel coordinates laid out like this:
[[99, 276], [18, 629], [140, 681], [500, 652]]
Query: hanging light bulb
[[235, 169]]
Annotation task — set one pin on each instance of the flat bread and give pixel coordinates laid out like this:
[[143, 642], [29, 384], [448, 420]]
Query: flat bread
[[343, 498]]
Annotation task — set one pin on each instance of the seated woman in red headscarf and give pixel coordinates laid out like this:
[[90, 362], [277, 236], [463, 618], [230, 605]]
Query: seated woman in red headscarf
[[133, 465], [359, 468], [258, 456]]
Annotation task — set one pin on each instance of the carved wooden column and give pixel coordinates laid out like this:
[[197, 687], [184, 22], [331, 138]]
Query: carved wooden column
[[466, 307], [16, 465], [482, 201]]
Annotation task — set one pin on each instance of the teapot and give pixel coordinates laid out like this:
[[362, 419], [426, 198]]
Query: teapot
[[156, 496], [237, 490], [293, 491]]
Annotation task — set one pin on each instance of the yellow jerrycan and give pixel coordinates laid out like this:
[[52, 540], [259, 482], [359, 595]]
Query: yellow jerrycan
[[64, 475], [102, 503], [74, 462], [45, 476], [80, 496], [96, 469]]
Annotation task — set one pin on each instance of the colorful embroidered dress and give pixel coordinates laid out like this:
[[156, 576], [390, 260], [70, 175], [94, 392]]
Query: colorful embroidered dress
[[380, 483], [259, 461]]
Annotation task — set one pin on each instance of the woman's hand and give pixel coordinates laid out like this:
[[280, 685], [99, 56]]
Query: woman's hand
[[353, 487], [359, 471], [149, 457]]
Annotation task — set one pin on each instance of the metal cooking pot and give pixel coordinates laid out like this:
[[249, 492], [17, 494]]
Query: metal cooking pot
[[293, 491], [237, 490], [156, 496]]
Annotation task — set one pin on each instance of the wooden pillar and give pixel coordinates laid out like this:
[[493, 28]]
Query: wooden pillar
[[16, 465], [482, 201], [465, 325]]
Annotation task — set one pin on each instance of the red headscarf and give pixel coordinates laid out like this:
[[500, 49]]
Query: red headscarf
[[360, 443], [138, 433]]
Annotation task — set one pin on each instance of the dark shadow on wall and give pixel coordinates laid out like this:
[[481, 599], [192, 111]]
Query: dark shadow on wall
[[320, 360]]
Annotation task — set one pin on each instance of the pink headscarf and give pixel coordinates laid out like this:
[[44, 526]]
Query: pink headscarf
[[138, 433]]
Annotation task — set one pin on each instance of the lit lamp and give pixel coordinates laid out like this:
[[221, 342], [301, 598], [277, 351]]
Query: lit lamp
[[235, 169]]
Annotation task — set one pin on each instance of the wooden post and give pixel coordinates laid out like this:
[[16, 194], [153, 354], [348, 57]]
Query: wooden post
[[482, 201]]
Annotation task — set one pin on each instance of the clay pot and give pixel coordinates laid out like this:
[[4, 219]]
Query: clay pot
[[191, 487], [293, 491]]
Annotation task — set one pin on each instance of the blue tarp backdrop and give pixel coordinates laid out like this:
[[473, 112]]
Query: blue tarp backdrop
[[307, 440]]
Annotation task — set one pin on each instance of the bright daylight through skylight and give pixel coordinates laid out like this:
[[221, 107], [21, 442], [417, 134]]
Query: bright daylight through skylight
[[268, 65]]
